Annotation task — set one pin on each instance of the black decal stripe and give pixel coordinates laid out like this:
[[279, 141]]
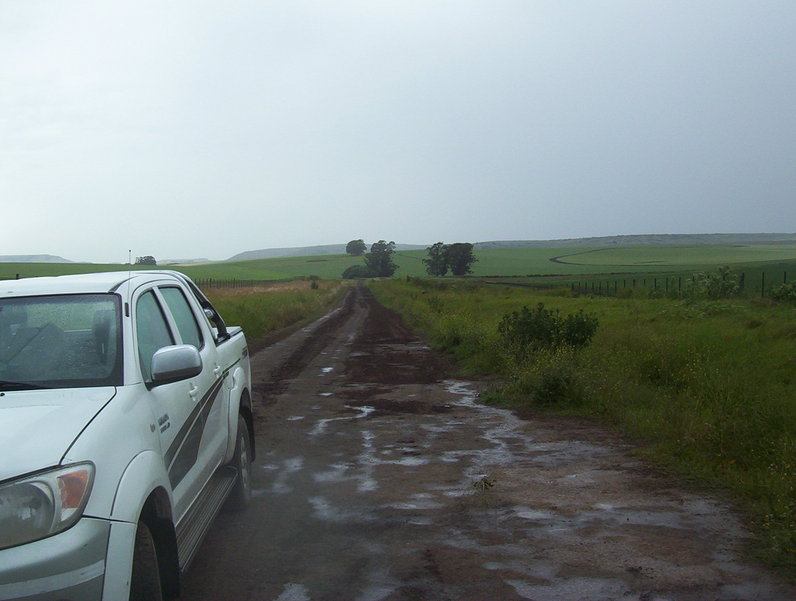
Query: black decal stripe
[[207, 400], [187, 455], [231, 367], [188, 452]]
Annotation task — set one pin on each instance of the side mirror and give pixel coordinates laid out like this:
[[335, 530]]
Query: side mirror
[[175, 363]]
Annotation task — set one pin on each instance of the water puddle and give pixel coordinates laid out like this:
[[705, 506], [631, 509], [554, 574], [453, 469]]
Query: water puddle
[[279, 486], [338, 472], [324, 510], [322, 424], [366, 481], [593, 589], [531, 514], [294, 592], [380, 586]]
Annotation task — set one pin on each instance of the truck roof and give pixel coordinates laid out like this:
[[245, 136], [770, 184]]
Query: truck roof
[[87, 283]]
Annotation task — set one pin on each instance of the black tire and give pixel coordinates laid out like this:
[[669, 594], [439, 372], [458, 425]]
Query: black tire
[[145, 581], [242, 460]]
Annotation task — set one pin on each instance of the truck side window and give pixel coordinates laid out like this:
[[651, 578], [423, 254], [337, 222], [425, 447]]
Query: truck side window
[[183, 316], [152, 331]]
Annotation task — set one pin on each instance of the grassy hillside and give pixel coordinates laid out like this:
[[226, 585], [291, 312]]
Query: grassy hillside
[[678, 256], [571, 262]]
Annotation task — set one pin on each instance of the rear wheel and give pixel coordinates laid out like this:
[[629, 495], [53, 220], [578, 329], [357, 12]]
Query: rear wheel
[[145, 582], [242, 492]]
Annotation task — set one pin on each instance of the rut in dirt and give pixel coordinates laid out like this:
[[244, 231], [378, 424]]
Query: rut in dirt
[[274, 382]]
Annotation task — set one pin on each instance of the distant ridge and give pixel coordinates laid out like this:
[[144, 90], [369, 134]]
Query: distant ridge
[[644, 239], [33, 259], [182, 261], [305, 251]]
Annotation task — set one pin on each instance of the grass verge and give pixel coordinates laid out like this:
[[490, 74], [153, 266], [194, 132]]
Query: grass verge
[[265, 311], [709, 387]]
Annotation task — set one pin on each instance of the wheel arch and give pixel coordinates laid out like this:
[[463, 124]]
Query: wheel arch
[[156, 514], [146, 474], [243, 407]]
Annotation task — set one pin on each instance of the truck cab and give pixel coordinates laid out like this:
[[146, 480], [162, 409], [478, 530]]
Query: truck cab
[[128, 405]]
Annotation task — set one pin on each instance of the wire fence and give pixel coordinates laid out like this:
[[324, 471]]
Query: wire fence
[[750, 283], [227, 283]]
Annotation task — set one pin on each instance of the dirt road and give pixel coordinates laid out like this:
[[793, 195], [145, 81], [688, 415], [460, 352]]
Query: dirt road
[[380, 478]]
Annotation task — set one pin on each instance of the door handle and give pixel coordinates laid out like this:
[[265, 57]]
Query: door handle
[[217, 370], [193, 390]]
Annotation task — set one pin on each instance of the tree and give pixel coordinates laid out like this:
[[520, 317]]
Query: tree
[[457, 257], [356, 247], [379, 260], [146, 260], [460, 258], [437, 262]]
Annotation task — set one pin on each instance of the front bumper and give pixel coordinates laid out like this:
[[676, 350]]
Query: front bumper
[[69, 566]]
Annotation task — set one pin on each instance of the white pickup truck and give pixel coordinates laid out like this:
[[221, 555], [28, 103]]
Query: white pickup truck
[[125, 425]]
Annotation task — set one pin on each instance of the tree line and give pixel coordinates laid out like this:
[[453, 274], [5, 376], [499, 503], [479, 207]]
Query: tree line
[[457, 258]]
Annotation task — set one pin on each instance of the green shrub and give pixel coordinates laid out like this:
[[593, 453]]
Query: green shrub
[[785, 293], [526, 332], [722, 283]]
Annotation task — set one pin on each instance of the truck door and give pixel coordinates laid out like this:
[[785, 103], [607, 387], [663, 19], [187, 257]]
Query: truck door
[[212, 381], [178, 407]]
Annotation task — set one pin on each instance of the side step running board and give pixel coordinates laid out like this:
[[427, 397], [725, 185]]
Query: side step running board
[[195, 524]]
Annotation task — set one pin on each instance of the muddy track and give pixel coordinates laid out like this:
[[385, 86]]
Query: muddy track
[[380, 478], [274, 381]]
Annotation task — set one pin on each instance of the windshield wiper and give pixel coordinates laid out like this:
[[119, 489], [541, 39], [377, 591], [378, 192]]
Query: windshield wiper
[[7, 385]]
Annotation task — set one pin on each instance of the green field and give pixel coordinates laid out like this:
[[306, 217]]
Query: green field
[[548, 263], [678, 256]]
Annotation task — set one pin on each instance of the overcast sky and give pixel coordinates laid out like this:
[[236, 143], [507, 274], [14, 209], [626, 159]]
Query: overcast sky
[[190, 128]]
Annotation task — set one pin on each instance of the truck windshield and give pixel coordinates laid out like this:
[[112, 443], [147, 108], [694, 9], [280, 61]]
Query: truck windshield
[[60, 341]]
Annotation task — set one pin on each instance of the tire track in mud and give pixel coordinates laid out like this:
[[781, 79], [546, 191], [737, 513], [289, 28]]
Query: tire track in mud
[[276, 381], [381, 479]]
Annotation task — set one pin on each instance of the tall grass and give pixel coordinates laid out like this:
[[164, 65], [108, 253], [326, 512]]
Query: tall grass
[[264, 310], [707, 387]]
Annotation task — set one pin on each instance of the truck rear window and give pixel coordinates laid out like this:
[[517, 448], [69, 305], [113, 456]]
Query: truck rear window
[[60, 341]]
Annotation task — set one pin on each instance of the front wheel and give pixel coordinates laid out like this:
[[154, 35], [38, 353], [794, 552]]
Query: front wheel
[[242, 460], [145, 581]]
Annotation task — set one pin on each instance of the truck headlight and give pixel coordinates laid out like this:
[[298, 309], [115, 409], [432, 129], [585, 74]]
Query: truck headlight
[[43, 504]]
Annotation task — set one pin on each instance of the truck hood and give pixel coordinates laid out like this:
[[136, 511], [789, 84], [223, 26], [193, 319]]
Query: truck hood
[[39, 426]]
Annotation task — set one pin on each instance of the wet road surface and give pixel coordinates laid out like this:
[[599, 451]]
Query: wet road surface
[[380, 478]]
